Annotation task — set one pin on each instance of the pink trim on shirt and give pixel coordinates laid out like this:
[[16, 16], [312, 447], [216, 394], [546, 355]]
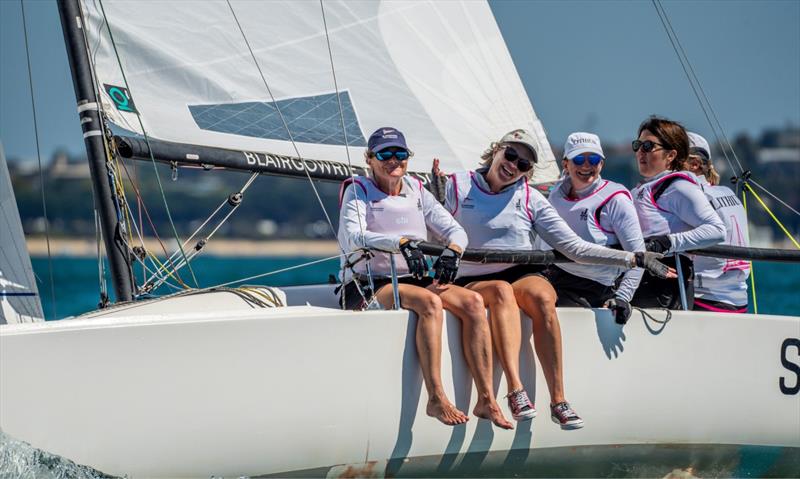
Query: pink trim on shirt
[[600, 207], [732, 264], [455, 190], [653, 188], [589, 195], [719, 310], [528, 201], [345, 184]]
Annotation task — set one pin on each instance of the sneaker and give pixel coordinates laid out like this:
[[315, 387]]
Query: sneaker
[[563, 415], [521, 407]]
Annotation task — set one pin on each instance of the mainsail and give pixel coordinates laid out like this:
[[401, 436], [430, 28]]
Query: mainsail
[[19, 297], [439, 71]]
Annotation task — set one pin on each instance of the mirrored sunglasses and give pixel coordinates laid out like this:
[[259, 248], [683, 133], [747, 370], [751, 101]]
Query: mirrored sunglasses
[[594, 159], [385, 155], [511, 155]]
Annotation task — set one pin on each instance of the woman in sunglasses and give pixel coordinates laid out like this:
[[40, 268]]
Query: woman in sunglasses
[[390, 213], [599, 211], [499, 210], [720, 284], [673, 212]]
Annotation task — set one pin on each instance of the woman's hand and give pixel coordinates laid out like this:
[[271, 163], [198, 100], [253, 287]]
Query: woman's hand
[[446, 266], [415, 259], [650, 261]]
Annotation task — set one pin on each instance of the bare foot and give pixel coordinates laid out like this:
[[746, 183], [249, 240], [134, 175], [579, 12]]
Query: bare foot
[[487, 409], [444, 411]]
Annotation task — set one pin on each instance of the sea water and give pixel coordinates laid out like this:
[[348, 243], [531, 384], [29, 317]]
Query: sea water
[[76, 280], [76, 291]]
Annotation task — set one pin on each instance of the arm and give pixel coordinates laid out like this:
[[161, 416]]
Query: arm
[[555, 231], [353, 221], [441, 222], [689, 203], [619, 216]]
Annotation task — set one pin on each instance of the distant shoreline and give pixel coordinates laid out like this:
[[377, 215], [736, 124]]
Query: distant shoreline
[[81, 247]]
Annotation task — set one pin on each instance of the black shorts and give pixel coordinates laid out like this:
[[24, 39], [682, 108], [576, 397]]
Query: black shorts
[[576, 290], [665, 293], [509, 274], [351, 299]]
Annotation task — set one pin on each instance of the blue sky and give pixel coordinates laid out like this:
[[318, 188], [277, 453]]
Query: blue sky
[[601, 66]]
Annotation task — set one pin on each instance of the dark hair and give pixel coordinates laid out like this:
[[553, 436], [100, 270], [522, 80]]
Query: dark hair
[[671, 134]]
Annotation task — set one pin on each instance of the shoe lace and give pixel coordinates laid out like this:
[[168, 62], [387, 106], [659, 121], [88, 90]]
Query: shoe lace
[[521, 400], [564, 410]]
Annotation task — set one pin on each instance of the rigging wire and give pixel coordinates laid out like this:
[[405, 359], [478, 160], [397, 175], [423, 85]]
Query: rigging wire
[[285, 124], [39, 159], [694, 82], [282, 270], [752, 270], [347, 151], [147, 140]]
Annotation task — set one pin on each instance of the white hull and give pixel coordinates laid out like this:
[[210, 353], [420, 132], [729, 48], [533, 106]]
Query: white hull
[[239, 391]]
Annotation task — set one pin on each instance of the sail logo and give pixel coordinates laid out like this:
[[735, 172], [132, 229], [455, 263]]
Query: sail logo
[[121, 98]]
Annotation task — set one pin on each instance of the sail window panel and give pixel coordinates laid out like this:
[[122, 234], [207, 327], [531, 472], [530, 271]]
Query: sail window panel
[[310, 119]]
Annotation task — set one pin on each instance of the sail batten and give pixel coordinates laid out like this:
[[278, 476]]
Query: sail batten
[[438, 71]]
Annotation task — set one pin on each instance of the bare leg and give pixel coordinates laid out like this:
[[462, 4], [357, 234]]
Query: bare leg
[[475, 336], [428, 308], [505, 323], [536, 296]]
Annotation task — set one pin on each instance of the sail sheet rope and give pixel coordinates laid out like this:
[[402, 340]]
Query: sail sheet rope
[[39, 159], [147, 139]]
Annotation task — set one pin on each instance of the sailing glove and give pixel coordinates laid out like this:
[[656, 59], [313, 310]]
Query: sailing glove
[[658, 244], [620, 308], [415, 259], [446, 266], [650, 261]]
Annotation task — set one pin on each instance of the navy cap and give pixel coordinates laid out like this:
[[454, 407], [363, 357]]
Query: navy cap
[[386, 137]]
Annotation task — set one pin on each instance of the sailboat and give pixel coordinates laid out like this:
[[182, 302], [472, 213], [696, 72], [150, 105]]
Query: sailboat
[[258, 381]]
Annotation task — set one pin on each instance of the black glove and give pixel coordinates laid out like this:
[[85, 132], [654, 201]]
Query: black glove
[[620, 308], [658, 244], [650, 262], [415, 259], [446, 266]]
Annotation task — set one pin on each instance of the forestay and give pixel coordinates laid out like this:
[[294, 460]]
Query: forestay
[[439, 71]]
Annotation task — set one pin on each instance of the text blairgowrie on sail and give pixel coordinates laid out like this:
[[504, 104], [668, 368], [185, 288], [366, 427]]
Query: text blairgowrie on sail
[[290, 164]]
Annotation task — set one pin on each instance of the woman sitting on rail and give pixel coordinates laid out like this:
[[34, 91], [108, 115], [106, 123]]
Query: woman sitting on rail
[[499, 210], [673, 211], [599, 211], [719, 284], [390, 213]]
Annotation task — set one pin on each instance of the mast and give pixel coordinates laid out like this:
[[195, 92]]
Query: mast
[[93, 131]]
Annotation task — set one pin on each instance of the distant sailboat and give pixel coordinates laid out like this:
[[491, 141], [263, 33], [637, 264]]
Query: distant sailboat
[[247, 381]]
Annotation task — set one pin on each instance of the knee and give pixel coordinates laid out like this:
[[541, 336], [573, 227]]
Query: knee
[[503, 293], [430, 306], [536, 298], [472, 304]]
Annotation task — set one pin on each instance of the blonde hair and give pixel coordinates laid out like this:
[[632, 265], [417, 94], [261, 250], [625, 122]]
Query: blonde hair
[[706, 167], [487, 157]]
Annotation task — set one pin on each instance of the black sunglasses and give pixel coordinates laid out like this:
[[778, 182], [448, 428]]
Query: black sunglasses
[[511, 155], [647, 146]]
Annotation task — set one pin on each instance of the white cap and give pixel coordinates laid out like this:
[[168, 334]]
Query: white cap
[[522, 137], [581, 142], [699, 144]]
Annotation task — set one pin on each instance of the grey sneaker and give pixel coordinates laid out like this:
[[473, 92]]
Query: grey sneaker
[[563, 415], [521, 406]]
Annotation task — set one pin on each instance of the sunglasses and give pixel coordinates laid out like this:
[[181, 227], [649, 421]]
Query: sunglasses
[[594, 159], [511, 155], [385, 155], [647, 146]]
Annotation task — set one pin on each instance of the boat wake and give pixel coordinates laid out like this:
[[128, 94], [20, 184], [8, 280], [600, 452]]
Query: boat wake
[[20, 460]]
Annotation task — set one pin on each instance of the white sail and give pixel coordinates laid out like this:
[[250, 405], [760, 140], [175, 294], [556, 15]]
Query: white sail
[[19, 297], [438, 71]]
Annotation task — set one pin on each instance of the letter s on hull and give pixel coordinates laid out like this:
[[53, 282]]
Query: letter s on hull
[[790, 366]]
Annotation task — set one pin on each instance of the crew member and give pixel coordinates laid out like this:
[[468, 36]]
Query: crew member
[[720, 284], [673, 211], [390, 213]]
